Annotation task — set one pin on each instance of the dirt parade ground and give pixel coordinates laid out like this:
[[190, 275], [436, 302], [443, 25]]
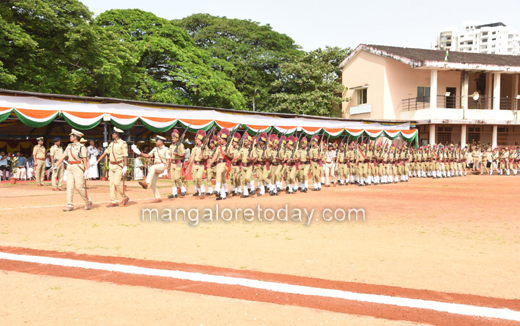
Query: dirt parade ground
[[441, 252]]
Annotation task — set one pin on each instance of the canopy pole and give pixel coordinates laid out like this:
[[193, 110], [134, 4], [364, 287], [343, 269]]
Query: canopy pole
[[105, 133]]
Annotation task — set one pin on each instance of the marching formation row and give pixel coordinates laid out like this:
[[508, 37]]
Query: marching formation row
[[280, 163]]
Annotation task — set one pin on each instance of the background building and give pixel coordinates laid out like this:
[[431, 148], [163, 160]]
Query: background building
[[495, 38], [470, 97]]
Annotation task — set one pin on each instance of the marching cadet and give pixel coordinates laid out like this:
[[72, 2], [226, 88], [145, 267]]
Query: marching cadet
[[386, 166], [118, 160], [177, 152], [303, 171], [513, 157], [246, 160], [210, 169], [494, 160], [436, 169], [275, 166], [362, 169], [477, 159], [283, 176], [329, 159], [39, 161], [278, 158], [315, 155], [370, 163], [392, 158], [234, 174], [351, 160], [261, 153], [77, 171], [56, 153], [291, 157], [196, 162], [161, 156], [486, 157], [340, 163], [221, 158], [378, 163]]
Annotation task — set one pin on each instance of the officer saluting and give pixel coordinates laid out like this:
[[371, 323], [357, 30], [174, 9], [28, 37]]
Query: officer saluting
[[77, 170], [118, 151]]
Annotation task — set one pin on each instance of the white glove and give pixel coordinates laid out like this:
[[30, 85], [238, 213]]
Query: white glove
[[53, 168], [135, 149], [124, 170], [92, 165], [85, 175]]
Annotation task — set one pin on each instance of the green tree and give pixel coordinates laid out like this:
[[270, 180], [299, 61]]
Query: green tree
[[253, 52], [170, 67], [50, 46], [311, 84]]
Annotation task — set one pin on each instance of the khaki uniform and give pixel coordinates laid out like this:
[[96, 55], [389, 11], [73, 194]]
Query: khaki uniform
[[39, 163], [210, 170], [314, 156], [262, 173], [75, 152], [160, 158], [117, 150], [234, 174], [176, 164], [303, 171], [197, 169], [362, 168], [247, 168], [56, 153], [291, 166], [277, 166], [221, 168]]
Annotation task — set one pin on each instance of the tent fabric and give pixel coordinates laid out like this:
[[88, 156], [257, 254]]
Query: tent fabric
[[37, 112]]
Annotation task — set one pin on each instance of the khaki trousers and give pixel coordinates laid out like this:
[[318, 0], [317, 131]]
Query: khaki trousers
[[116, 185], [247, 172], [75, 180], [303, 172], [151, 178], [57, 177], [40, 172], [315, 169], [197, 171]]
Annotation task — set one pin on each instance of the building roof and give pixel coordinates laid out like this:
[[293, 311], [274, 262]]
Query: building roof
[[435, 59]]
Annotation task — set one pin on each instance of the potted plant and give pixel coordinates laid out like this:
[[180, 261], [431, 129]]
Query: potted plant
[[13, 168], [104, 167]]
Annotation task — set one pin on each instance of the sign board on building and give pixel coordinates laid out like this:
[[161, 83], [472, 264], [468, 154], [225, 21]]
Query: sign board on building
[[366, 108]]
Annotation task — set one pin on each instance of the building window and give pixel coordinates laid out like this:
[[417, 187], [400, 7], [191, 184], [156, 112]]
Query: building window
[[473, 137], [444, 137], [484, 40], [362, 96], [423, 94]]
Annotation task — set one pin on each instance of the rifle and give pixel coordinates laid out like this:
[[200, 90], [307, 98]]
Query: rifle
[[268, 136], [181, 139], [280, 145], [255, 140], [207, 139]]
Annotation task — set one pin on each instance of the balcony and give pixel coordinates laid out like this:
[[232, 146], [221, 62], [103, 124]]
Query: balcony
[[450, 108]]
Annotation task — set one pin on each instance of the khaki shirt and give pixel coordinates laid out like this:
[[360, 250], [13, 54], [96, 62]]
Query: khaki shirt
[[56, 152], [244, 154], [289, 155], [160, 155], [341, 156], [302, 154], [39, 152], [361, 156], [195, 152], [75, 152], [330, 156], [258, 153], [314, 153], [180, 150], [117, 150]]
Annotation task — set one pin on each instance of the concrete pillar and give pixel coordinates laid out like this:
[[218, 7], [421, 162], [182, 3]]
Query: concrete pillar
[[489, 91], [494, 137], [514, 92], [463, 136], [465, 91], [432, 134], [496, 91], [433, 90]]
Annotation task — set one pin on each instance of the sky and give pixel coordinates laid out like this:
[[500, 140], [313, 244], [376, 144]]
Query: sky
[[314, 24]]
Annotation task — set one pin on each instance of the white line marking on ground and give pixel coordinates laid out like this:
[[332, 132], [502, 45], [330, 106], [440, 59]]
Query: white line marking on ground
[[453, 308], [100, 202]]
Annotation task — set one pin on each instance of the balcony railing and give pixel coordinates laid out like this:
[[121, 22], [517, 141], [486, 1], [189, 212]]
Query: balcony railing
[[454, 102]]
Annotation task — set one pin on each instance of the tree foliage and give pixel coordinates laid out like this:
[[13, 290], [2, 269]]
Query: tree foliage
[[311, 84], [170, 67], [56, 46], [253, 52]]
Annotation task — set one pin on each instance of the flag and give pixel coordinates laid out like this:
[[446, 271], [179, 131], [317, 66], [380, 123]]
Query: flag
[[447, 54]]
